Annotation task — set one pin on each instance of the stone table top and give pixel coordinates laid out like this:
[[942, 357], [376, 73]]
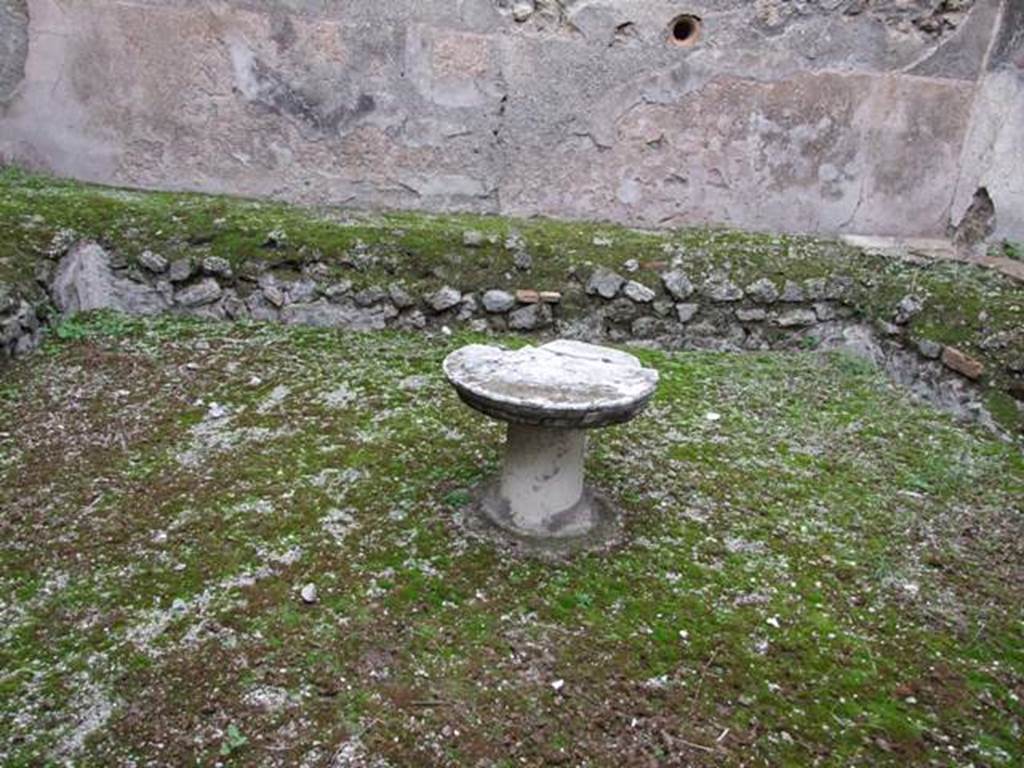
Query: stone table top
[[564, 384]]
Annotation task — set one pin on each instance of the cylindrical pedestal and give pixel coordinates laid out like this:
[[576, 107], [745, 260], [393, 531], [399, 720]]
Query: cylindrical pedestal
[[542, 480]]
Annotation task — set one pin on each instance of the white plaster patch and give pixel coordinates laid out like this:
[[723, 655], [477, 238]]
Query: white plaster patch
[[155, 622], [338, 398], [268, 698], [92, 709], [277, 396], [254, 507], [339, 523], [336, 482], [215, 435]]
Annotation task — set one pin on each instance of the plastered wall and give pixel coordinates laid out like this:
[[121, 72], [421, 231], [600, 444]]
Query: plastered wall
[[825, 116]]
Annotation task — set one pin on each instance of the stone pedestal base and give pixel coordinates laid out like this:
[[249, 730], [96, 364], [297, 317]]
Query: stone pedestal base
[[539, 504], [542, 481]]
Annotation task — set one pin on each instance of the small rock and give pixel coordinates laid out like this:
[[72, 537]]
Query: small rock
[[301, 291], [550, 297], [838, 287], [1016, 389], [216, 266], [763, 291], [723, 291], [317, 271], [929, 349], [370, 296], [498, 302], [276, 238], [523, 261], [756, 315], [824, 311], [638, 292], [400, 297], [216, 411], [234, 306], [444, 299], [816, 288], [252, 270], [621, 310], [467, 308], [260, 309], [686, 312], [792, 293], [522, 10], [797, 318], [165, 290], [531, 317], [181, 270], [631, 266], [414, 383], [527, 296], [678, 285], [646, 327], [412, 320], [962, 363], [44, 271], [204, 292], [908, 308], [335, 291], [663, 307], [7, 299], [308, 594], [472, 238], [605, 283], [154, 262], [274, 295]]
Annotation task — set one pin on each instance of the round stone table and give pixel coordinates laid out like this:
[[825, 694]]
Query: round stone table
[[549, 396]]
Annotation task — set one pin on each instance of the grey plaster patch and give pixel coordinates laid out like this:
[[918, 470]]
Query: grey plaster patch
[[13, 46]]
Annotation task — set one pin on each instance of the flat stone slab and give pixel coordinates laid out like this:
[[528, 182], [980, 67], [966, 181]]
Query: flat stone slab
[[564, 384]]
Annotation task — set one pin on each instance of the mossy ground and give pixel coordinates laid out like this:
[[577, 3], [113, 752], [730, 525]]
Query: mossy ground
[[826, 574]]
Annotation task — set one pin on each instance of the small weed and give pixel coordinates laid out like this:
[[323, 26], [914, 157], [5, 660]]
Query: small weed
[[457, 498], [234, 740], [809, 342], [95, 325]]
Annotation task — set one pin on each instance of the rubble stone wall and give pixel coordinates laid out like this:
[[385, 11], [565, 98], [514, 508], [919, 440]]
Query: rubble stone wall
[[683, 311]]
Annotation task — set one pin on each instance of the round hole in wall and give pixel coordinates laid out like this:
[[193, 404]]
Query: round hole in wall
[[685, 30]]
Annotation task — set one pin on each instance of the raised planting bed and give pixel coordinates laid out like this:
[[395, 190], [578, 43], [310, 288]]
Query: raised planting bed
[[951, 332]]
